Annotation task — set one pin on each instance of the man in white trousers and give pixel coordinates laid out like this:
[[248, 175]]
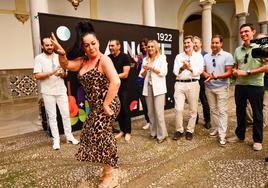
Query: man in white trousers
[[53, 90]]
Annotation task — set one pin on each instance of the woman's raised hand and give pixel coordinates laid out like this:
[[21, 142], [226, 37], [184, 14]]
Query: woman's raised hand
[[57, 46]]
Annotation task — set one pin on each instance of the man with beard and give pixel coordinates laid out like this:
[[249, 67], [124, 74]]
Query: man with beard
[[188, 66], [53, 90]]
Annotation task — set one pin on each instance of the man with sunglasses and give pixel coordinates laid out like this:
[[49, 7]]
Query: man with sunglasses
[[217, 68], [249, 86]]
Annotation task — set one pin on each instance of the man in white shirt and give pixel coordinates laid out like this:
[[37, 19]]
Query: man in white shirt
[[53, 90], [188, 66]]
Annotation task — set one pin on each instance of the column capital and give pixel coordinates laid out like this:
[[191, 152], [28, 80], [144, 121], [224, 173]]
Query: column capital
[[205, 4], [242, 14], [263, 22]]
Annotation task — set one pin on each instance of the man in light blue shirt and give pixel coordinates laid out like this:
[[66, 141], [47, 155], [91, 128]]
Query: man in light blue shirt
[[217, 70]]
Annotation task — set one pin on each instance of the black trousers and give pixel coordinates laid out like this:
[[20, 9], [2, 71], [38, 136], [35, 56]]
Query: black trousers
[[203, 99], [124, 117], [254, 94], [143, 103]]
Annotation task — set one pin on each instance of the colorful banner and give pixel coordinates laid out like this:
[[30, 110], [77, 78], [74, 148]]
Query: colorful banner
[[129, 36]]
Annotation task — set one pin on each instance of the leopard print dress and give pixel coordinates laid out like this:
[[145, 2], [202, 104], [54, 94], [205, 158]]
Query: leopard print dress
[[97, 142]]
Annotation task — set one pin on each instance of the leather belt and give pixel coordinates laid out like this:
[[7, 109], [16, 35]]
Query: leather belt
[[189, 80]]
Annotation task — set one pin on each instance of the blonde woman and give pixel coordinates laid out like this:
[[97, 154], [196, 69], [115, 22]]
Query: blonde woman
[[154, 70]]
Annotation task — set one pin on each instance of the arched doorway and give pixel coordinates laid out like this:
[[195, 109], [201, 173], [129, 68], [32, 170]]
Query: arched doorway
[[193, 26]]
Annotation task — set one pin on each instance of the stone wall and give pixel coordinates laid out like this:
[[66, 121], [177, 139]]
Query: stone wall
[[17, 85]]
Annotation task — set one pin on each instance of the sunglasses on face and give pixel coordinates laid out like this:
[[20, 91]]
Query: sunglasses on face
[[246, 59], [214, 63]]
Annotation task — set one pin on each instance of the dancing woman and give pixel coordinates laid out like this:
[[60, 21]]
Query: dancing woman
[[100, 82]]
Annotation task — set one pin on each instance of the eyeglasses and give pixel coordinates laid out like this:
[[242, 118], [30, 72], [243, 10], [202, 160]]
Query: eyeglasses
[[214, 63], [246, 59]]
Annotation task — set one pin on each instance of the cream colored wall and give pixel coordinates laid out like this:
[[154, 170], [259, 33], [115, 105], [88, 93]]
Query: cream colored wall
[[16, 41], [125, 11], [165, 14], [64, 7]]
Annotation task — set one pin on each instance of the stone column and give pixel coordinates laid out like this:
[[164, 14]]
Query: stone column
[[241, 18], [93, 9], [181, 36], [263, 27], [35, 7], [206, 23], [148, 12]]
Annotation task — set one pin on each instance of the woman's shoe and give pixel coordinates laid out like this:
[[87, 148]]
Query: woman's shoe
[[113, 182]]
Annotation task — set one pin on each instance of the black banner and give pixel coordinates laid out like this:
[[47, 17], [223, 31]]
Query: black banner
[[129, 36]]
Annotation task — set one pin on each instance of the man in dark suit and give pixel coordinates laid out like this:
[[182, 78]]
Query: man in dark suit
[[202, 95]]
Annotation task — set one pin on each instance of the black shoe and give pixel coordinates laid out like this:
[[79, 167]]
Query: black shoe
[[116, 130], [177, 135], [189, 136], [153, 137], [197, 119], [207, 125]]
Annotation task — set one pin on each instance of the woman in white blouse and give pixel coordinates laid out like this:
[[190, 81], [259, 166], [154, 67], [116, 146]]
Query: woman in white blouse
[[154, 70]]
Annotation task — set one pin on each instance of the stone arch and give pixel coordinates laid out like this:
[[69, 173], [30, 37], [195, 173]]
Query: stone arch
[[261, 10], [240, 6], [183, 14], [194, 21]]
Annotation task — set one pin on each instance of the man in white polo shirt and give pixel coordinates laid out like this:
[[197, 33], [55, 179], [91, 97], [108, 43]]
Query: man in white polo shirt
[[53, 90], [188, 66], [218, 67]]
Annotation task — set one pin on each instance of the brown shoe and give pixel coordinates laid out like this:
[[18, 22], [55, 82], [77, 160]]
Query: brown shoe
[[189, 136], [177, 135]]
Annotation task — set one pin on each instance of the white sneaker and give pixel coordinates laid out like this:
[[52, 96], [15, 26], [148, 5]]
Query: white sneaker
[[56, 145], [127, 137], [72, 141], [214, 133], [119, 135], [222, 141], [146, 126], [257, 146]]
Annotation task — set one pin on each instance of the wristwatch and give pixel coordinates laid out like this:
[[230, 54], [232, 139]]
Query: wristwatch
[[248, 72]]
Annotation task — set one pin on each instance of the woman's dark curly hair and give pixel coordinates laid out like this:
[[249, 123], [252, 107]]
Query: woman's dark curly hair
[[82, 29]]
